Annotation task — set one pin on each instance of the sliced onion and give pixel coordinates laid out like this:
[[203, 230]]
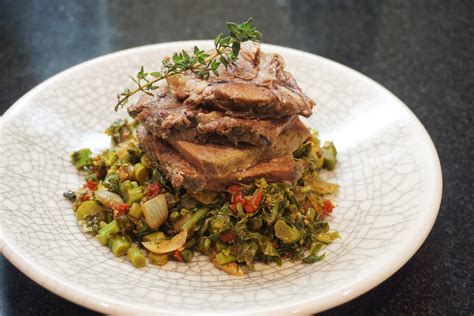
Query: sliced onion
[[108, 199], [166, 246], [230, 268], [155, 211]]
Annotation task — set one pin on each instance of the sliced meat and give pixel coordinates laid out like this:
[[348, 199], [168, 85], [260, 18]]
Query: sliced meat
[[217, 159], [257, 86], [242, 130], [280, 169], [223, 160], [182, 173], [165, 158], [163, 115], [245, 69], [162, 112]]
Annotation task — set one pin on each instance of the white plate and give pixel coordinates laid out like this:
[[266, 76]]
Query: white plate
[[388, 170]]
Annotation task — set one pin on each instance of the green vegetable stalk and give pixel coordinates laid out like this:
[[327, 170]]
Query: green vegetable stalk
[[140, 173], [119, 245], [133, 195], [156, 259], [136, 257], [195, 218], [104, 233]]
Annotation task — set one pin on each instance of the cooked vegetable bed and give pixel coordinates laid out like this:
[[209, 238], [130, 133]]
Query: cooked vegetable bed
[[134, 210]]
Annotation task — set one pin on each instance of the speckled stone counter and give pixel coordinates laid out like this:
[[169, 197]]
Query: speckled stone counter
[[423, 51]]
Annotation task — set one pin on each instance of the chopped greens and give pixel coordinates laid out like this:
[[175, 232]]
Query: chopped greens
[[81, 158], [133, 209]]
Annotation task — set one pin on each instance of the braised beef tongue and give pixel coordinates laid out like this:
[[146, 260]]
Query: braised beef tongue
[[223, 160], [259, 132], [236, 127], [182, 173], [280, 169], [167, 160], [256, 87], [163, 115]]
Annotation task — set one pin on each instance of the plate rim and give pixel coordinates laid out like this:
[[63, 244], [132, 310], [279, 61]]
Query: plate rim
[[340, 296]]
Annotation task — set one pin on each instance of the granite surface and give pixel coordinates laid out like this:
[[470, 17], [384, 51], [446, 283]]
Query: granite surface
[[423, 51]]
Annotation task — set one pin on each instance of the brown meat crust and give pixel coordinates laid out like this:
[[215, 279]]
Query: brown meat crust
[[182, 173], [163, 115], [223, 160], [257, 86]]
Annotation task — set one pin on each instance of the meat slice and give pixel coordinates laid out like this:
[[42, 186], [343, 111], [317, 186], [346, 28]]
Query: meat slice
[[163, 115], [162, 112], [258, 132], [257, 86], [280, 169], [223, 160], [165, 158], [182, 173], [245, 69]]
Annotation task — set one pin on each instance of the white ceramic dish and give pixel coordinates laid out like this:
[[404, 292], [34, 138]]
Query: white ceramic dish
[[389, 174]]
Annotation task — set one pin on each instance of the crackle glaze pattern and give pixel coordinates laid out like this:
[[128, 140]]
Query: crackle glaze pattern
[[388, 171]]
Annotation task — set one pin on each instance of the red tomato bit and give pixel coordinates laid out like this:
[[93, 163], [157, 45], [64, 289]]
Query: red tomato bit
[[91, 185], [253, 203], [228, 236], [328, 206], [250, 204], [248, 207], [237, 198], [152, 189], [177, 255], [120, 209], [87, 196], [233, 188]]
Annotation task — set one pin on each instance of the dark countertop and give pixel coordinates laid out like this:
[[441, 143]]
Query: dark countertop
[[423, 51]]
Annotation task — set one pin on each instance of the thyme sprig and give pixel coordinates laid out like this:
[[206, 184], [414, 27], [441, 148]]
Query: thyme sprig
[[226, 51]]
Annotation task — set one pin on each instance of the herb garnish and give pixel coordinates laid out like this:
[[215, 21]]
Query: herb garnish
[[226, 51]]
